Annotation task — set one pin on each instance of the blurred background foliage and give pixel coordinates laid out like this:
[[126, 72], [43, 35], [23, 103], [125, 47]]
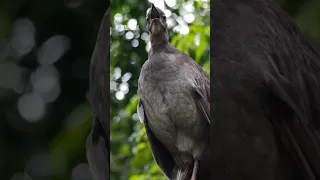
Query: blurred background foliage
[[189, 31], [45, 117]]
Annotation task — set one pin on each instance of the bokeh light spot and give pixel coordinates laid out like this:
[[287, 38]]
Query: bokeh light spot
[[184, 30], [118, 17], [189, 17], [144, 36], [135, 43], [117, 73], [45, 81], [31, 107], [132, 24], [171, 3], [119, 95], [126, 77], [129, 35], [53, 49], [23, 37], [124, 87]]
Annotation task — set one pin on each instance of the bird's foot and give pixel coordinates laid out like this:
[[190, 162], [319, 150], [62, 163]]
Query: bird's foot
[[195, 169], [182, 174]]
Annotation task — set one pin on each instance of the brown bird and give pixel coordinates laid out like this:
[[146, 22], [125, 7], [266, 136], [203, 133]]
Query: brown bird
[[174, 103], [265, 94], [98, 140]]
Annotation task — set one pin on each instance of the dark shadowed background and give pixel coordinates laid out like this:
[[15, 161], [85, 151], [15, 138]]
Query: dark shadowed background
[[45, 50]]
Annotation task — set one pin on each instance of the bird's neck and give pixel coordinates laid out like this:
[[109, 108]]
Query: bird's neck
[[159, 41]]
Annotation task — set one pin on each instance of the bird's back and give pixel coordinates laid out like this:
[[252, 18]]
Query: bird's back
[[270, 72]]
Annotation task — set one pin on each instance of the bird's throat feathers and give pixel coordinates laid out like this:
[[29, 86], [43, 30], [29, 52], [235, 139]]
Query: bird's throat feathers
[[158, 40]]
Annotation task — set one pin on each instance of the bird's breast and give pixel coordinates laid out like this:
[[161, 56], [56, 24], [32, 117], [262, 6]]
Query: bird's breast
[[173, 116], [166, 91]]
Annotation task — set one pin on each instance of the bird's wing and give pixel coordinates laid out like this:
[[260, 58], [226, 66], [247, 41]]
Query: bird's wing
[[98, 140], [140, 111], [292, 86], [160, 153], [98, 152], [201, 87], [301, 133], [202, 96]]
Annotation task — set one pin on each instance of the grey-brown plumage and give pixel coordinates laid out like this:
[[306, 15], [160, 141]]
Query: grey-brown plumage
[[98, 140], [265, 100], [174, 103]]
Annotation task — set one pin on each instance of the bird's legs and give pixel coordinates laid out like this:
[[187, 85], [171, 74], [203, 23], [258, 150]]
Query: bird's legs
[[188, 172], [184, 172], [195, 169]]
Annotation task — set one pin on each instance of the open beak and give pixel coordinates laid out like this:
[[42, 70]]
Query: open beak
[[155, 18], [154, 12]]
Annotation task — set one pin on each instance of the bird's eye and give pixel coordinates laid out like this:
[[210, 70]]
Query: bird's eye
[[147, 19], [164, 17]]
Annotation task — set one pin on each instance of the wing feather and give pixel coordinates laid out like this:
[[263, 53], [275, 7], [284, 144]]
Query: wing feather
[[300, 131], [160, 153], [98, 140]]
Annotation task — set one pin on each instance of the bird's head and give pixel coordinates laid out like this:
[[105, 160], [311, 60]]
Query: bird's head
[[156, 22]]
